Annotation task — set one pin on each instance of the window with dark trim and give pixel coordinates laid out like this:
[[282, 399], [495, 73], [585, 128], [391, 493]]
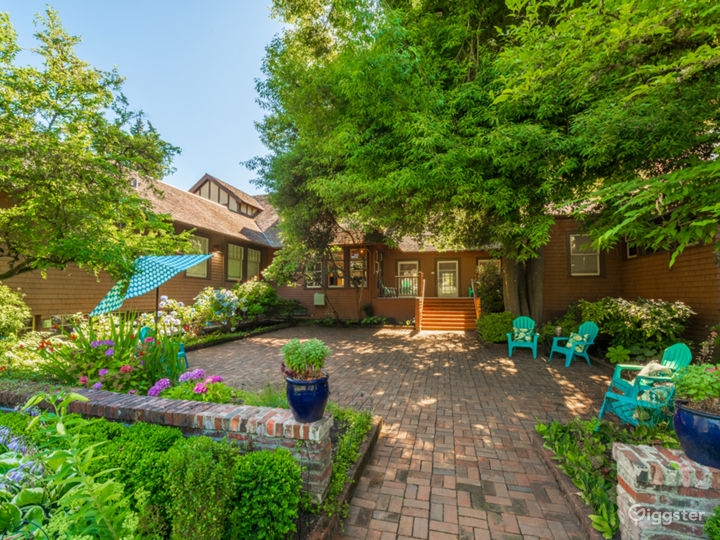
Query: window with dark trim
[[313, 278], [336, 269], [235, 256], [201, 244], [584, 259], [358, 267], [253, 263]]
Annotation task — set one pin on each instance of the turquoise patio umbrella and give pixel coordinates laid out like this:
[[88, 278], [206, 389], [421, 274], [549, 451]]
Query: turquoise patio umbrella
[[150, 272]]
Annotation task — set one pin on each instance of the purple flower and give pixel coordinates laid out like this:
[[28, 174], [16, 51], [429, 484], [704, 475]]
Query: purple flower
[[95, 344], [162, 384], [197, 374], [154, 391], [213, 379], [103, 372], [109, 342], [97, 386], [109, 352], [200, 388]]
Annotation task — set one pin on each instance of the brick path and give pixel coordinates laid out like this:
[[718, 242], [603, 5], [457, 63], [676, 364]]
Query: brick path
[[455, 458]]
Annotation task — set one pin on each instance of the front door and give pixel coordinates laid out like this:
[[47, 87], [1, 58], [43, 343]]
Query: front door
[[447, 279]]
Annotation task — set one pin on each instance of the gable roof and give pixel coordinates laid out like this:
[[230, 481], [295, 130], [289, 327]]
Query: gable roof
[[239, 194], [195, 211], [268, 221]]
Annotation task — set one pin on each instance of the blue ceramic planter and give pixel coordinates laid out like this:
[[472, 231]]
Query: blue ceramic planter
[[307, 398], [699, 435]]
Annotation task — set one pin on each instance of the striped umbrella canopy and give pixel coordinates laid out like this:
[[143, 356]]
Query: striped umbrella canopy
[[151, 271]]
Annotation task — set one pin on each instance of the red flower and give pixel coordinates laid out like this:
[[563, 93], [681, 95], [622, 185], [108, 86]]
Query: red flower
[[73, 336], [21, 346], [132, 336], [50, 349], [54, 326], [140, 353]]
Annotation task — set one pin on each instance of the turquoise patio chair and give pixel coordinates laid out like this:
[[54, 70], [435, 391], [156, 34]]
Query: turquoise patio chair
[[523, 335], [577, 344], [652, 395]]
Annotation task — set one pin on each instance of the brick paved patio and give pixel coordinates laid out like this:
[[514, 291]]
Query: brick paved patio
[[455, 458]]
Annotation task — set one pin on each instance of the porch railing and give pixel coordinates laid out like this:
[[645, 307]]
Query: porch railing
[[419, 300], [476, 300], [407, 285]]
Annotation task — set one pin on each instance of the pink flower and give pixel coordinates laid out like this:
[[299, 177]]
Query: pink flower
[[103, 372], [712, 369], [83, 380], [126, 369], [132, 392], [213, 379], [200, 388], [148, 340]]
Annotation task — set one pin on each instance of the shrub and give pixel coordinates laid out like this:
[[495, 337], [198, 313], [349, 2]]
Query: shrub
[[268, 485], [305, 360], [493, 327], [210, 389], [712, 525], [200, 482], [217, 305], [374, 320], [255, 298], [489, 287], [14, 313], [643, 323]]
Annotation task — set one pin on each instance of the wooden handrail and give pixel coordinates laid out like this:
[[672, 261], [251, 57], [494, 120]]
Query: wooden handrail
[[419, 300], [476, 300]]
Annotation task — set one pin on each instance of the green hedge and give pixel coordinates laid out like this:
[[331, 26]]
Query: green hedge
[[493, 327]]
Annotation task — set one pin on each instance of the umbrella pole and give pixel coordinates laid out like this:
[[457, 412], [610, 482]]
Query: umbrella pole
[[157, 306]]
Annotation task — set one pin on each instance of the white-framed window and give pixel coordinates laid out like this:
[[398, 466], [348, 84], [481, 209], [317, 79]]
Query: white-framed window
[[408, 268], [358, 267], [631, 250], [253, 263], [235, 255], [313, 278], [201, 244], [336, 269], [584, 259]]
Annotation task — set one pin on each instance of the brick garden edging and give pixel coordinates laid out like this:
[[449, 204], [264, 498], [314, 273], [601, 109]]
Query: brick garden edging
[[568, 489], [662, 493], [257, 427], [329, 526]]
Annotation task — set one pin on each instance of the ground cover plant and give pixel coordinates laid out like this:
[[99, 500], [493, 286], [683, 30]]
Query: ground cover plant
[[583, 450], [493, 327]]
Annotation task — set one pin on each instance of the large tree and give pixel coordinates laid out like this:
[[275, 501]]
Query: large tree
[[70, 150], [467, 119]]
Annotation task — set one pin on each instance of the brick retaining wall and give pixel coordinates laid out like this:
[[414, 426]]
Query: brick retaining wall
[[255, 428], [662, 493]]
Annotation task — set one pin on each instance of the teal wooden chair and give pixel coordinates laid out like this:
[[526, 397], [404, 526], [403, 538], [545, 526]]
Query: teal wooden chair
[[146, 332], [523, 335], [645, 399], [577, 344]]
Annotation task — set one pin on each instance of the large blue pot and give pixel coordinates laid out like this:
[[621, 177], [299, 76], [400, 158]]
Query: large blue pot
[[307, 398], [699, 434]]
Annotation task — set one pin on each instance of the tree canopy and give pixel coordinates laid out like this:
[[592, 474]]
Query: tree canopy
[[479, 122], [70, 149]]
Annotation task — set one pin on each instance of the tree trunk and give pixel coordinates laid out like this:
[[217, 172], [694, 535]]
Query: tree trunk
[[523, 287]]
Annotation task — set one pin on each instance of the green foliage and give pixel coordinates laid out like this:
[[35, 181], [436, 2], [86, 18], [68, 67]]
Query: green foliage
[[255, 298], [618, 354], [14, 313], [712, 525], [267, 485], [698, 382], [357, 424], [493, 327], [70, 148], [583, 450], [215, 392], [269, 396], [644, 323], [305, 360], [200, 484], [489, 287], [373, 320], [217, 305]]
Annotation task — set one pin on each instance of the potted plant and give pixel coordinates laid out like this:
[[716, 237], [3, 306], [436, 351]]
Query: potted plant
[[307, 382], [697, 413]]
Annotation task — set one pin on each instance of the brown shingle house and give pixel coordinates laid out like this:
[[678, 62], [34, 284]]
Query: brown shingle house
[[241, 230], [228, 223]]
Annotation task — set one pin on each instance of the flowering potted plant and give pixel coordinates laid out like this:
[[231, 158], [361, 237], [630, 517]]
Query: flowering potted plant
[[307, 382], [697, 413]]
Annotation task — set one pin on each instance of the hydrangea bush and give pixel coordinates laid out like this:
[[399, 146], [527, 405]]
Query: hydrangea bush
[[14, 313], [255, 298], [217, 305]]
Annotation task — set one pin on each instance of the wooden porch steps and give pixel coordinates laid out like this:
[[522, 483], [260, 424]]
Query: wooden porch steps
[[448, 314]]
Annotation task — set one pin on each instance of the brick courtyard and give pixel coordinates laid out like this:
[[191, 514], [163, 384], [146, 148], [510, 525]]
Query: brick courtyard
[[455, 458]]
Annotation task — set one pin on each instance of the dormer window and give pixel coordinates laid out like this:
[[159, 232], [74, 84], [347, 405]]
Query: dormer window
[[212, 191]]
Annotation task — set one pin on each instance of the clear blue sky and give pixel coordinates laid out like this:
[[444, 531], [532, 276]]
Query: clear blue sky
[[189, 65]]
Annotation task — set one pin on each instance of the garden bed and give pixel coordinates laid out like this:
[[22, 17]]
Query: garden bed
[[210, 340]]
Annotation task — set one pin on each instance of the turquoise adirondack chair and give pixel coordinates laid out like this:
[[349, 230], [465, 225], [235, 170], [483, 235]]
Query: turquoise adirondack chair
[[523, 335], [624, 397], [581, 342], [146, 331]]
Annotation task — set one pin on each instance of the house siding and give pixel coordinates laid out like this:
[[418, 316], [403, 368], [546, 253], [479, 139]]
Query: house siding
[[76, 290]]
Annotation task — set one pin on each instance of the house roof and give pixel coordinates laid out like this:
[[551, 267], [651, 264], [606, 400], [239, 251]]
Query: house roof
[[268, 221], [196, 211], [237, 193]]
